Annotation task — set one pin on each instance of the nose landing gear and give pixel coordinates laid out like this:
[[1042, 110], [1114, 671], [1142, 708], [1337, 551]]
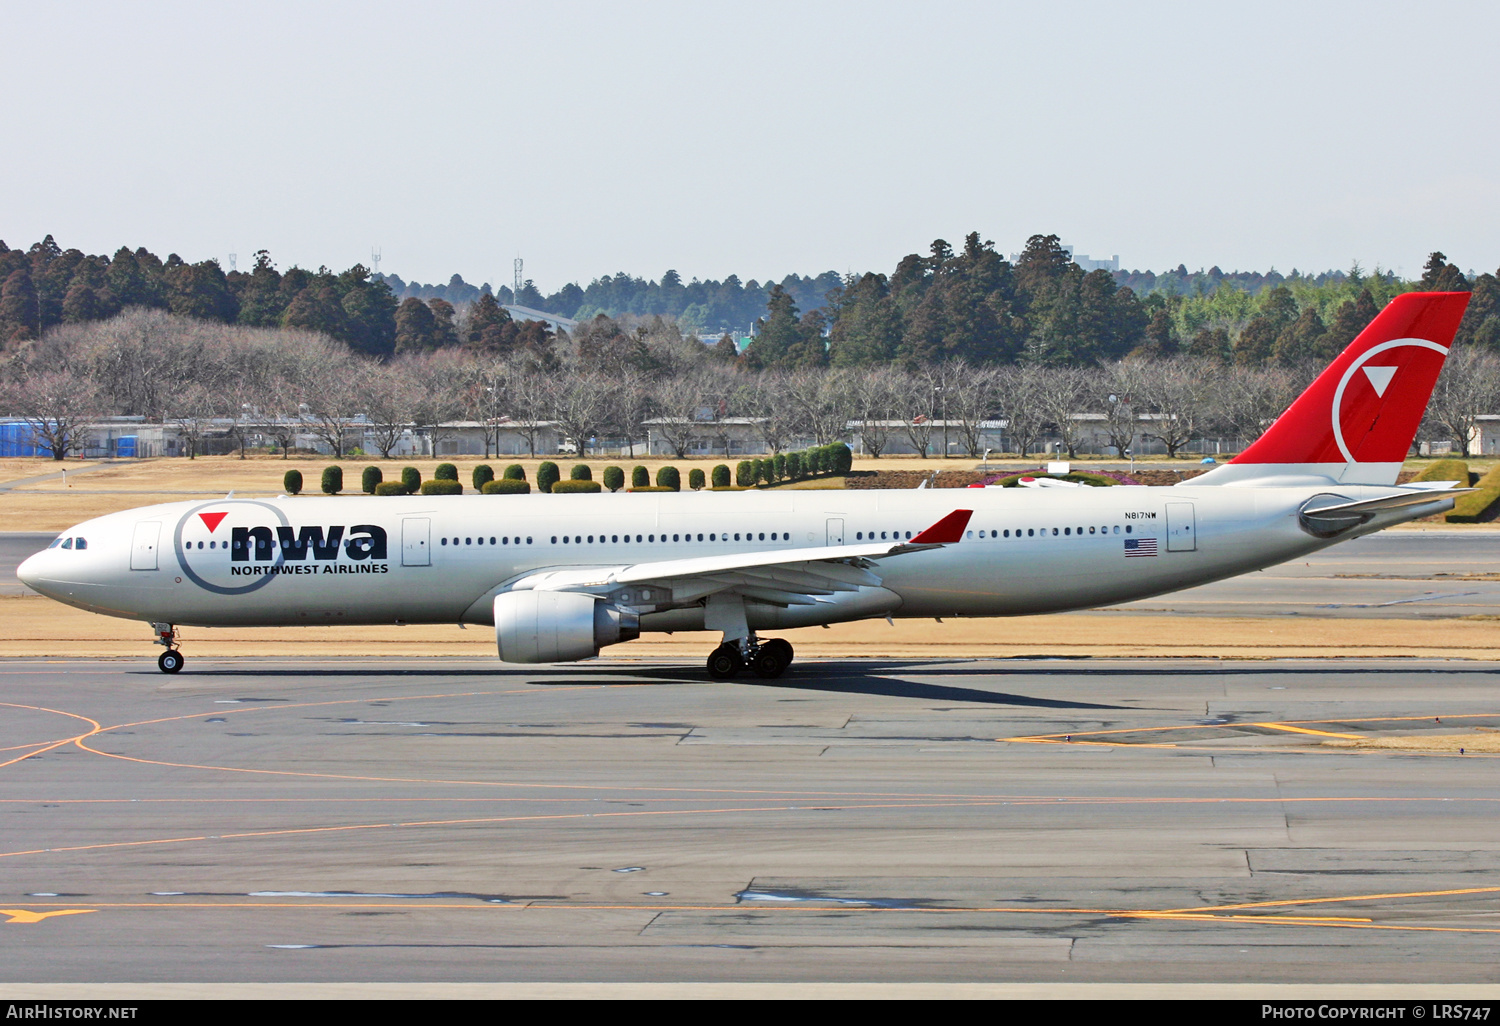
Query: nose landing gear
[[171, 660], [767, 660]]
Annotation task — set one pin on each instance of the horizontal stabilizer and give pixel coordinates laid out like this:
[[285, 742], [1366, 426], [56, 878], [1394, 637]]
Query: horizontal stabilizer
[[1325, 515]]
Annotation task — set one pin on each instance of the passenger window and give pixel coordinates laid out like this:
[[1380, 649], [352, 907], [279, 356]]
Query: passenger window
[[1030, 531], [1127, 528], [1066, 530]]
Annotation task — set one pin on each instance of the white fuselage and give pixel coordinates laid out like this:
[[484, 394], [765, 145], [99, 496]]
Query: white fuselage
[[419, 559]]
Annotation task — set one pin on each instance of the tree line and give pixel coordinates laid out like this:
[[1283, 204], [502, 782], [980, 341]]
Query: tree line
[[601, 385], [967, 304]]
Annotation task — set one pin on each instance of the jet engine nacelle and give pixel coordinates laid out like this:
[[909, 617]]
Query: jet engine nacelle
[[558, 626]]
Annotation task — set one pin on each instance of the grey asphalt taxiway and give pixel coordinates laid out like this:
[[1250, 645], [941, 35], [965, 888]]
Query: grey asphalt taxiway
[[860, 820]]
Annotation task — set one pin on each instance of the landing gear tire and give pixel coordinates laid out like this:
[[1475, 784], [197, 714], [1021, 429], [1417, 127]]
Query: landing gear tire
[[767, 663], [725, 662], [783, 651], [170, 661]]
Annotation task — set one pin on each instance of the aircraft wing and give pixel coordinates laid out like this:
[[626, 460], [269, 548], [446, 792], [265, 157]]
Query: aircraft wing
[[784, 577]]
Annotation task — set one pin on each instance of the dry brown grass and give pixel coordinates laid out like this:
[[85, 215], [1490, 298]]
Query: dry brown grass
[[1485, 740]]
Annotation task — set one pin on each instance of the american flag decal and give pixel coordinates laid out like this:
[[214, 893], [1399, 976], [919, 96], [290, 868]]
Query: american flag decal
[[1140, 547]]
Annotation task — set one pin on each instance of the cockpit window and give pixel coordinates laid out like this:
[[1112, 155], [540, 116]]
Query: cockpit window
[[55, 543], [68, 543], [81, 543]]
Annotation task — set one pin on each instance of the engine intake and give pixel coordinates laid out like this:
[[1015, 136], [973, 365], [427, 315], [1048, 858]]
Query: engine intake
[[558, 626]]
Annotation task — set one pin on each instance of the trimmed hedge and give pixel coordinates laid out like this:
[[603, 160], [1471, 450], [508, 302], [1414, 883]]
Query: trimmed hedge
[[445, 472], [483, 475], [506, 486], [1470, 509], [669, 478], [547, 475], [778, 463], [390, 488], [291, 482], [614, 478], [333, 480], [442, 486], [572, 486], [411, 479], [640, 477], [1446, 470], [696, 480], [721, 476], [1080, 476], [369, 478], [580, 472], [744, 474], [515, 472]]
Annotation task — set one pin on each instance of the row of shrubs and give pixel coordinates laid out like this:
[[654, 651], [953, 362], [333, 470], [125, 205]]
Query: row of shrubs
[[795, 466], [819, 461]]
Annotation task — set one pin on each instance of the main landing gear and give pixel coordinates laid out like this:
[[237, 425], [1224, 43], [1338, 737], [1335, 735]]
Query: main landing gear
[[171, 660], [768, 659]]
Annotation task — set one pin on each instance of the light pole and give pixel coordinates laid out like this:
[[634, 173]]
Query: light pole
[[940, 396]]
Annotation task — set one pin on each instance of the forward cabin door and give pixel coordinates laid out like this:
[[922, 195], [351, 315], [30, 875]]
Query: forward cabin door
[[416, 541], [835, 532], [143, 547], [1182, 531]]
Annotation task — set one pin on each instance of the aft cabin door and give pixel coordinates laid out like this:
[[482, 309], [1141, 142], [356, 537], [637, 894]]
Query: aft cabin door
[[143, 548], [835, 532], [416, 541], [1182, 531]]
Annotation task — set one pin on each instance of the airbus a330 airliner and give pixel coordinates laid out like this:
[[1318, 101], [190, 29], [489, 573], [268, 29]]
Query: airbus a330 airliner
[[561, 576]]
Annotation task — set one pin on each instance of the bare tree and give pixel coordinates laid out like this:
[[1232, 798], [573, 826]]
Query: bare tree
[[581, 406], [1062, 393], [682, 404], [1020, 399], [1250, 398], [918, 401], [1177, 391], [629, 404], [386, 397], [56, 405], [775, 417], [823, 402], [530, 392], [1468, 386], [972, 398], [875, 401], [326, 380], [1117, 393]]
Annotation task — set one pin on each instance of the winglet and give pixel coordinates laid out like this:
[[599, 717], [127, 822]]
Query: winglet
[[946, 531]]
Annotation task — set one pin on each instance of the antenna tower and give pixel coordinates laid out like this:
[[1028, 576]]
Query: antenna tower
[[375, 259], [231, 263], [515, 293]]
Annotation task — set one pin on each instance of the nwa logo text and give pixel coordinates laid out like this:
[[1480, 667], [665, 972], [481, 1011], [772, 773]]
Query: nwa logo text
[[301, 550]]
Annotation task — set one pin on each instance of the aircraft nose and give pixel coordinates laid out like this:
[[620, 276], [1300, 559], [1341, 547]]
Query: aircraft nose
[[30, 571]]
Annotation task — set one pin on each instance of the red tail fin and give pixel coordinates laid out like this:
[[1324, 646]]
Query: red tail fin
[[1356, 422]]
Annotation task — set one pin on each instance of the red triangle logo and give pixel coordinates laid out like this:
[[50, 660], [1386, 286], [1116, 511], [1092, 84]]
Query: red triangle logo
[[213, 520]]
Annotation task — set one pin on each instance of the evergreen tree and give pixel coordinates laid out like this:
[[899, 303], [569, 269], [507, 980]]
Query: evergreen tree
[[414, 326], [776, 334]]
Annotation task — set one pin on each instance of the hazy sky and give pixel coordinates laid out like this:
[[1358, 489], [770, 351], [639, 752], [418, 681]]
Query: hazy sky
[[752, 138]]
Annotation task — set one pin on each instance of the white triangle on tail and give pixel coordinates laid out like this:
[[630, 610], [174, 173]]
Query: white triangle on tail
[[1380, 377]]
